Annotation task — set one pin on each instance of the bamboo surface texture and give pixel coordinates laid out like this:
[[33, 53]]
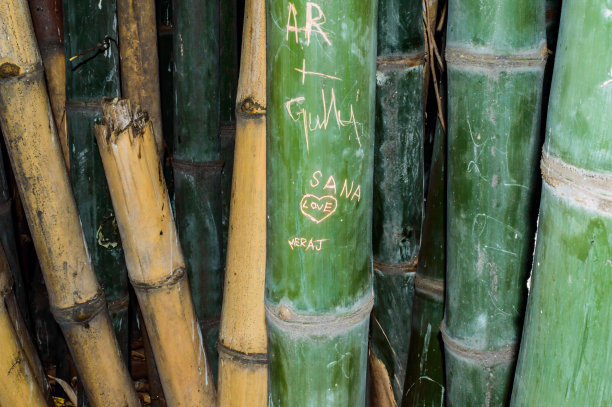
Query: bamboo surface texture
[[424, 385], [92, 75], [321, 62], [76, 298], [196, 157], [139, 62], [19, 383], [398, 191], [495, 56], [153, 254], [565, 351], [243, 369], [49, 30]]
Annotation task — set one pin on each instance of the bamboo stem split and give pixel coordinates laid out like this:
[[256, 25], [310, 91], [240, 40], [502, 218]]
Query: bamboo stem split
[[35, 152], [154, 258]]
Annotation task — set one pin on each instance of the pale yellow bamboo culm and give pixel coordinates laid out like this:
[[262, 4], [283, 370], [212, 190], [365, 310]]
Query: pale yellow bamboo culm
[[243, 367], [153, 254], [76, 299], [19, 385]]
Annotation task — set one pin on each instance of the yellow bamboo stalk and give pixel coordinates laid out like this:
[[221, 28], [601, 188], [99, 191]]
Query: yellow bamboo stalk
[[76, 299], [139, 64], [20, 383], [243, 374], [25, 341], [153, 253]]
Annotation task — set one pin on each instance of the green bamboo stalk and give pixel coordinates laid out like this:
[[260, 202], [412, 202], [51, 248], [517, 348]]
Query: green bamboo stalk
[[228, 84], [495, 56], [197, 160], [424, 385], [94, 74], [321, 84], [565, 349], [398, 189]]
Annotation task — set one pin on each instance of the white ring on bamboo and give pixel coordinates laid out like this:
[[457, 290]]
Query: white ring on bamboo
[[592, 190], [285, 318]]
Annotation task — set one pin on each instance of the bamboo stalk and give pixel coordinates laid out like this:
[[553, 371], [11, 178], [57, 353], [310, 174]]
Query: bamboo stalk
[[139, 63], [19, 383], [155, 262], [424, 385], [398, 191], [163, 11], [7, 240], [21, 330], [197, 160], [75, 296], [321, 63], [93, 73], [565, 348], [243, 370], [155, 386], [228, 82], [49, 30], [495, 56]]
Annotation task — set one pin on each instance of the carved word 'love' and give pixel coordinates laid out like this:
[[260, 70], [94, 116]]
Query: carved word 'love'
[[317, 209]]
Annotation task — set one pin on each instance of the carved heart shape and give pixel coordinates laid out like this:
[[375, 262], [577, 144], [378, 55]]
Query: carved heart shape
[[317, 209]]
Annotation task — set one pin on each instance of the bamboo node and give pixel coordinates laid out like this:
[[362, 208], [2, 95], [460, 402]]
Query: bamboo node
[[9, 70], [588, 188], [286, 318], [486, 358], [238, 356], [398, 268], [80, 313], [174, 278], [429, 287], [250, 107]]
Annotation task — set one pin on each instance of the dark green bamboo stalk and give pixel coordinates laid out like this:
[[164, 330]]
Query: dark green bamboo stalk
[[495, 56], [228, 81], [565, 351], [424, 385], [94, 74], [321, 84], [398, 190], [197, 160]]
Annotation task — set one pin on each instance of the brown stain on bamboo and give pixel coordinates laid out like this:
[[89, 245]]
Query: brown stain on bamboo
[[42, 179], [243, 373], [153, 253], [139, 62]]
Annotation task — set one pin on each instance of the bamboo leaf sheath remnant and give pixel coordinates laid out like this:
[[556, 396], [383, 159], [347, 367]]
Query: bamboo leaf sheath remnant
[[321, 84]]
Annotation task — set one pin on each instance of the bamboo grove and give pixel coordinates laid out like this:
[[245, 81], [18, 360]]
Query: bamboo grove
[[291, 203]]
